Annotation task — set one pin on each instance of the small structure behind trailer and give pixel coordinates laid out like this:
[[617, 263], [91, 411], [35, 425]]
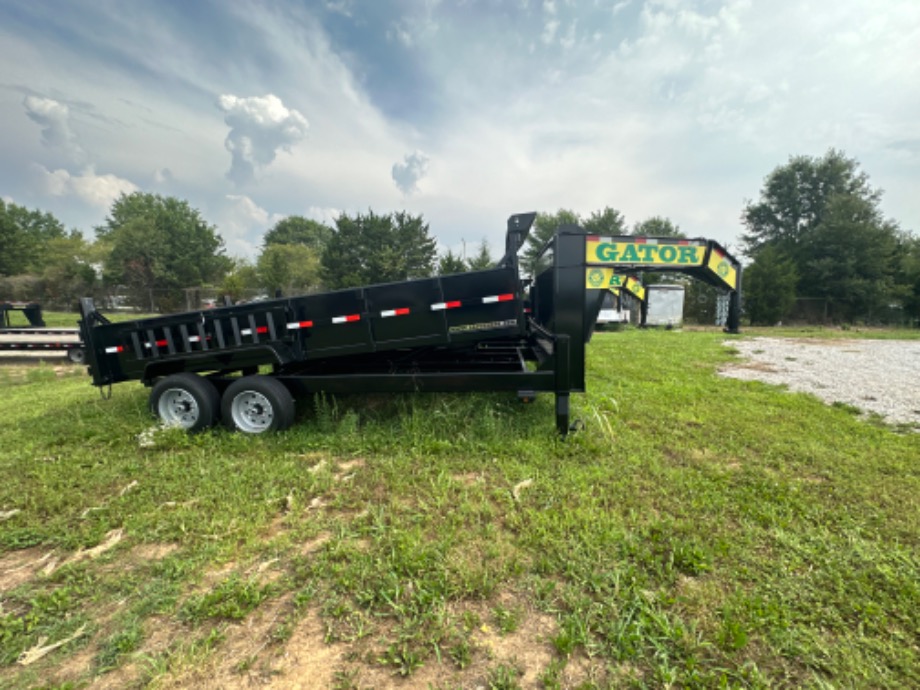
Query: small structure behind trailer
[[665, 306], [487, 330]]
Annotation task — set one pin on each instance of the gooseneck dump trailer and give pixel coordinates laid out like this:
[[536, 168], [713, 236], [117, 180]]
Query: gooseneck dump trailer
[[486, 330]]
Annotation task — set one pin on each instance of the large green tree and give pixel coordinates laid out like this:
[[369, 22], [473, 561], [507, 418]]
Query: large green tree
[[795, 196], [289, 268], [544, 227], [371, 248], [850, 259], [159, 246], [482, 259], [24, 238], [823, 216], [769, 287], [608, 222], [657, 226], [908, 276], [299, 230], [450, 263]]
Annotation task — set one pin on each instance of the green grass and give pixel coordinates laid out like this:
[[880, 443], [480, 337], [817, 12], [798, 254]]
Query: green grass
[[700, 532], [67, 319]]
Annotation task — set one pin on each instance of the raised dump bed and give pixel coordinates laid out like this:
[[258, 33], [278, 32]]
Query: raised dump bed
[[479, 331]]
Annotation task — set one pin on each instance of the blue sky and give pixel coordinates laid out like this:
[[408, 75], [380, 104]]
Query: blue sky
[[463, 111]]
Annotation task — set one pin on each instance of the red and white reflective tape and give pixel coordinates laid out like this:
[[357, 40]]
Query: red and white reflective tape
[[346, 319], [440, 306], [507, 297], [260, 329], [158, 343], [299, 324], [194, 338], [402, 311], [114, 350]]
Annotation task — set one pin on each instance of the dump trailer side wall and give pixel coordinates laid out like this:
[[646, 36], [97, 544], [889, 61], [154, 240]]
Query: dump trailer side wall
[[453, 309]]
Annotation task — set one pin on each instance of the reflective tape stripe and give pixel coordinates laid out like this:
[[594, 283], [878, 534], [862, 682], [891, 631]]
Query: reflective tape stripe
[[299, 324], [445, 305], [394, 312], [114, 350], [346, 319], [507, 297], [158, 343], [194, 339], [260, 330]]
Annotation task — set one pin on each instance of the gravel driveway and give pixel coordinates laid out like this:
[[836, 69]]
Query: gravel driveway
[[880, 376]]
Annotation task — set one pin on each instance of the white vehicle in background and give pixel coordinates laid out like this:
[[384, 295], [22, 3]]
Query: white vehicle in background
[[610, 311]]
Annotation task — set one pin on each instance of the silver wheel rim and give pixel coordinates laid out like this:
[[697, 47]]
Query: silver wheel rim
[[252, 412], [178, 407]]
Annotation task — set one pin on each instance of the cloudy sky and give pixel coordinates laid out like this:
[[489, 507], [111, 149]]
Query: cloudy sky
[[465, 111]]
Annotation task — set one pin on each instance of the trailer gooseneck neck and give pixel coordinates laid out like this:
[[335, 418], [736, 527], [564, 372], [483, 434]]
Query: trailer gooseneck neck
[[485, 330]]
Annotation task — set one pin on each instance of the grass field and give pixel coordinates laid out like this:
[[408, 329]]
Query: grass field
[[699, 532]]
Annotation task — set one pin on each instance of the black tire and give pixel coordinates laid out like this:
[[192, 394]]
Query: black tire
[[186, 400], [77, 355], [256, 404]]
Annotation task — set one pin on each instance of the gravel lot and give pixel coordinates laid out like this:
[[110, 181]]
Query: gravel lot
[[880, 376]]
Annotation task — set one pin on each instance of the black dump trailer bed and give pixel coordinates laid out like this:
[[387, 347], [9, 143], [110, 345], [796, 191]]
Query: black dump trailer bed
[[485, 330]]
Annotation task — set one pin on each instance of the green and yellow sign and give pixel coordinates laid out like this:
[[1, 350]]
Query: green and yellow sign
[[602, 278], [597, 278], [641, 251], [635, 288], [722, 267]]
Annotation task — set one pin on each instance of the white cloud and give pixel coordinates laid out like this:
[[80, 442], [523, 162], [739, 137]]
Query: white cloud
[[163, 175], [399, 32], [326, 216], [343, 7], [54, 119], [96, 190], [407, 174], [242, 223], [260, 126], [251, 212]]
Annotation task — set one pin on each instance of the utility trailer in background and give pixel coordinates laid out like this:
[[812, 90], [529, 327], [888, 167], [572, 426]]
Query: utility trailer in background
[[485, 330], [36, 337]]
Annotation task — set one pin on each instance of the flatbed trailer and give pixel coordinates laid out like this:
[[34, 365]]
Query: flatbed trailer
[[487, 330], [36, 337]]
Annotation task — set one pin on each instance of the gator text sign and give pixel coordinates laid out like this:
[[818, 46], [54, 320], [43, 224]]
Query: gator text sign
[[600, 250]]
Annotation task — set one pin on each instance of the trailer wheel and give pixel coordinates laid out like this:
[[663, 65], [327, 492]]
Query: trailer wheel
[[186, 400], [255, 404], [77, 355]]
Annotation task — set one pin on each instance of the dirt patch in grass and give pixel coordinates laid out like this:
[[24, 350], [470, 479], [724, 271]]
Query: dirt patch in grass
[[18, 567], [528, 648], [349, 466], [144, 553], [246, 658], [469, 478], [306, 661], [754, 366], [313, 545]]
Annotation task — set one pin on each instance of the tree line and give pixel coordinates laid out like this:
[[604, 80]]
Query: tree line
[[815, 236]]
